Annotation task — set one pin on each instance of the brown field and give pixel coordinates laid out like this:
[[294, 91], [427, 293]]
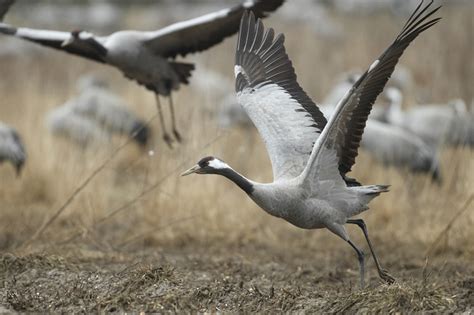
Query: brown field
[[140, 238]]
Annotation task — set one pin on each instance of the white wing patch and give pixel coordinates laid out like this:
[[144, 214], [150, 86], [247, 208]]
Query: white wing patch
[[373, 65], [238, 69]]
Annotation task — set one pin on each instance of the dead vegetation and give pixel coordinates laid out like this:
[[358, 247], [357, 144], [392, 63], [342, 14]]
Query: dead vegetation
[[138, 237]]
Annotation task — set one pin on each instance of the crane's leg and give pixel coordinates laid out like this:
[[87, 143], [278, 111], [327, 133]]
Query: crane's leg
[[384, 275], [173, 120], [340, 231], [166, 136], [360, 257]]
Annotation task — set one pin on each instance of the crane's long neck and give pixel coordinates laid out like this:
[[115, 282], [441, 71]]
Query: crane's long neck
[[97, 47], [238, 179]]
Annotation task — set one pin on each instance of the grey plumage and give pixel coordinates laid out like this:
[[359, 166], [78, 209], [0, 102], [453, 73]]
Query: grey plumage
[[310, 189], [12, 148]]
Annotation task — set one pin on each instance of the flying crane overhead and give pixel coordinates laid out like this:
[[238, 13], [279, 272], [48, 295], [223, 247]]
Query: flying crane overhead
[[149, 57], [310, 156]]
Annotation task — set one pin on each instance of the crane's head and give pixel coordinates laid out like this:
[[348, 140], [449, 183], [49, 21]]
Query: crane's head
[[208, 165]]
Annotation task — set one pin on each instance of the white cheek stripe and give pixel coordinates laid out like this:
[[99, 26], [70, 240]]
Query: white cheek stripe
[[217, 164]]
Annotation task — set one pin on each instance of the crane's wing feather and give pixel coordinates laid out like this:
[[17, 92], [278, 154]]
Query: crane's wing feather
[[55, 39], [344, 130], [287, 119], [205, 31]]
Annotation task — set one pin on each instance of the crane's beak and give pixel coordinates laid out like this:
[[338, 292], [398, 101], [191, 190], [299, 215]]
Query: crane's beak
[[195, 169], [68, 41]]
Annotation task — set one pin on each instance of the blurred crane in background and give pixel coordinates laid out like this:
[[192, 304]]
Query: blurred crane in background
[[12, 148], [95, 115]]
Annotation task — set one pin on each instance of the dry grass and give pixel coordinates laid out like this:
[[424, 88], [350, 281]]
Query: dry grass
[[138, 202]]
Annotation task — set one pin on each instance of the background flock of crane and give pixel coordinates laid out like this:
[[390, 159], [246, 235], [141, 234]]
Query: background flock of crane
[[62, 118]]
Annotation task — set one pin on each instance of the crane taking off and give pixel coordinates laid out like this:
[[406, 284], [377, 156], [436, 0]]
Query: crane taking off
[[310, 156]]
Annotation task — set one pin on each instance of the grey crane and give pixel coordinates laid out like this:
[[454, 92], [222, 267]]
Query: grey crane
[[12, 148], [436, 124], [95, 114], [148, 57], [66, 123], [309, 155]]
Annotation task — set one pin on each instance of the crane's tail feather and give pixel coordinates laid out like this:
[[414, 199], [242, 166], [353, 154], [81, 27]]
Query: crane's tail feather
[[183, 70], [375, 190]]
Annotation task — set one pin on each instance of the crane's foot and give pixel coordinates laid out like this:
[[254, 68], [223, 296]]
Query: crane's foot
[[177, 136], [168, 140], [385, 276]]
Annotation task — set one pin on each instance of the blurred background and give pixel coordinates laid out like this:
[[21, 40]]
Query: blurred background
[[139, 202]]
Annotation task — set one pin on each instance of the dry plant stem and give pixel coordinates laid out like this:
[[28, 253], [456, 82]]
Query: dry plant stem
[[144, 192], [449, 225], [152, 187], [78, 190]]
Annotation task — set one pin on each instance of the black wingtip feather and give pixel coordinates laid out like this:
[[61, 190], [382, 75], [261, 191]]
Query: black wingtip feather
[[372, 82]]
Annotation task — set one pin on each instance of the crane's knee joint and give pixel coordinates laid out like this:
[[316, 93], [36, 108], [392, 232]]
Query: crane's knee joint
[[358, 222]]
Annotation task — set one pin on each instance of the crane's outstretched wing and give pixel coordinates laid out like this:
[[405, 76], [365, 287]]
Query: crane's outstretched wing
[[4, 7], [341, 136], [205, 31], [287, 119], [89, 48]]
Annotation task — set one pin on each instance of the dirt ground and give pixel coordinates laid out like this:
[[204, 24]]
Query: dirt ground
[[251, 277]]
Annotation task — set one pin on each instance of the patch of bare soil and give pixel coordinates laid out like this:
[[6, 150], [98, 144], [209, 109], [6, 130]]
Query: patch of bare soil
[[234, 278]]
